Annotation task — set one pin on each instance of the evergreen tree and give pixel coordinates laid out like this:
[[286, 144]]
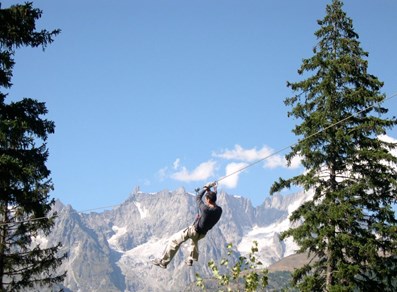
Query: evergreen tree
[[348, 227], [24, 177]]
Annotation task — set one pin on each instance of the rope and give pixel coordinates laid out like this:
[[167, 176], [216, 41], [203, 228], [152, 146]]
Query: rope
[[43, 218], [234, 172], [308, 137]]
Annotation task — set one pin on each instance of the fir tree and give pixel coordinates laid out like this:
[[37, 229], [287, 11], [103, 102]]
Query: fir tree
[[349, 226], [24, 178]]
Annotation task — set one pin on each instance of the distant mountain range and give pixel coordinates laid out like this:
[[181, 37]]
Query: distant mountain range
[[111, 251]]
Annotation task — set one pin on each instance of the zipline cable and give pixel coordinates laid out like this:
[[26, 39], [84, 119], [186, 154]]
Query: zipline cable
[[72, 212], [234, 172], [308, 137]]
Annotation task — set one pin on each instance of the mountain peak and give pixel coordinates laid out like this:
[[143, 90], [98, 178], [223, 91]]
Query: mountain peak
[[116, 245]]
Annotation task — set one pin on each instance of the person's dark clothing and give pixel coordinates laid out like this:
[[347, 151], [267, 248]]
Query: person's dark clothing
[[209, 216]]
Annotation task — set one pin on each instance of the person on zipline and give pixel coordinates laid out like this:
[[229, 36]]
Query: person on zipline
[[209, 215]]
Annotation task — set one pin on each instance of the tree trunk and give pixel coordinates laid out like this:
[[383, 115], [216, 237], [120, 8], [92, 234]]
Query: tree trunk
[[330, 269], [331, 238], [3, 236]]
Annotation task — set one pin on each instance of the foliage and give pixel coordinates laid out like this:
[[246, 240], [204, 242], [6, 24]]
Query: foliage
[[24, 177], [244, 272], [349, 225]]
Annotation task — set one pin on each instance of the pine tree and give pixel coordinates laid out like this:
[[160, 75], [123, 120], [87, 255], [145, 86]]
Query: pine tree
[[348, 227], [24, 178]]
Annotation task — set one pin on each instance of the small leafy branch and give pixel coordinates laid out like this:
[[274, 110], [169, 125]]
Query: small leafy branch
[[246, 271]]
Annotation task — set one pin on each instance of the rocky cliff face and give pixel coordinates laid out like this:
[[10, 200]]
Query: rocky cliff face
[[111, 251]]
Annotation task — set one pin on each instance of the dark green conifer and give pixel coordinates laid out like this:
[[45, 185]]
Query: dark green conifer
[[349, 226], [24, 178]]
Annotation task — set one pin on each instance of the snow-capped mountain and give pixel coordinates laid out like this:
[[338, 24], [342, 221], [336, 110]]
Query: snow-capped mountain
[[111, 251]]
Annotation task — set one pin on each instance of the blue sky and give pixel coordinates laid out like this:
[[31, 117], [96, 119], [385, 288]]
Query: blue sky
[[168, 94]]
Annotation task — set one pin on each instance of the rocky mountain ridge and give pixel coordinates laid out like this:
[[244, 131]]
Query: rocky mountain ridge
[[111, 251]]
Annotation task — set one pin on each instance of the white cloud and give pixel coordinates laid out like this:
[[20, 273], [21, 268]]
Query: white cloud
[[239, 153], [275, 161], [162, 173], [389, 139], [296, 162], [201, 172], [280, 161], [239, 158], [176, 163], [251, 155], [232, 180]]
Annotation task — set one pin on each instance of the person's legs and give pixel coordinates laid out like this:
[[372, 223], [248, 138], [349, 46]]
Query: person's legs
[[194, 251], [175, 242]]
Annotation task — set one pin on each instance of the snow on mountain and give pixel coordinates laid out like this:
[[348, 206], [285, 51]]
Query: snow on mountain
[[113, 240], [111, 251], [142, 210], [271, 249]]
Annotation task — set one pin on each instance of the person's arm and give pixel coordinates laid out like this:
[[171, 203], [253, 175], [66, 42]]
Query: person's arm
[[200, 195]]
